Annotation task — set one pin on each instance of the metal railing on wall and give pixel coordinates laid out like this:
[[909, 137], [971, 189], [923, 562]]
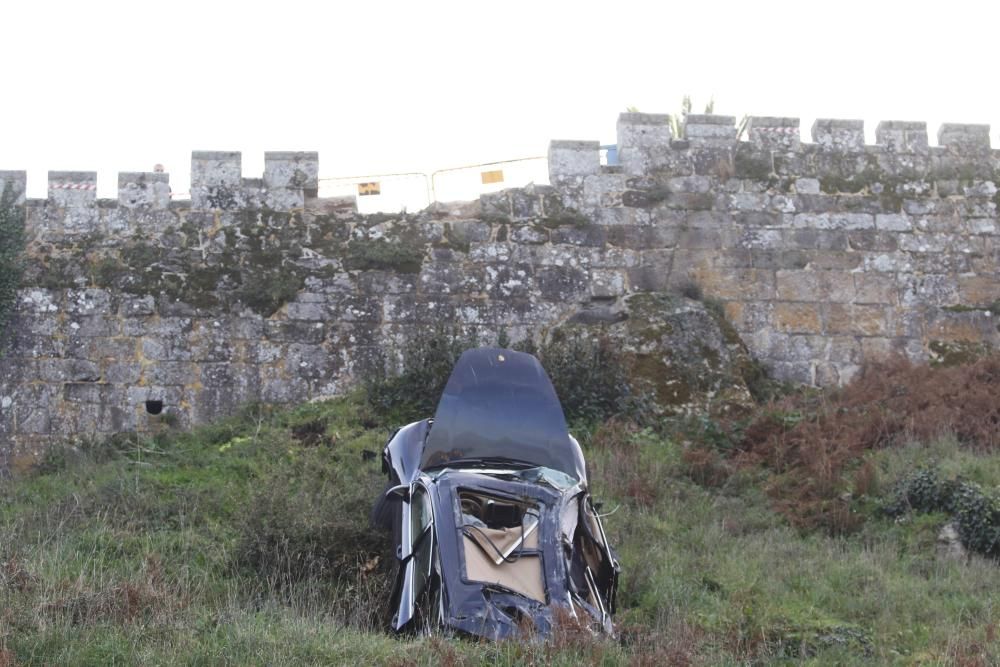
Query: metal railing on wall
[[416, 190], [381, 192]]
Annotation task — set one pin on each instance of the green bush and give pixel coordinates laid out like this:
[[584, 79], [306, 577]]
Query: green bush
[[410, 390], [590, 375], [11, 260], [975, 512]]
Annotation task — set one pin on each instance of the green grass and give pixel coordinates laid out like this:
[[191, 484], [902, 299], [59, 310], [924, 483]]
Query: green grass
[[246, 543]]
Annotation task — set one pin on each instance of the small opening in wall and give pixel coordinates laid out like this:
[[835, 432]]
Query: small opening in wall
[[154, 407]]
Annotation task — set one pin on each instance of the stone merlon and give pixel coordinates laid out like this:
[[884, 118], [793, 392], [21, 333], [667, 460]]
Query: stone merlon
[[571, 161], [710, 130], [902, 136], [143, 188], [964, 137], [73, 188], [838, 134], [17, 181], [640, 137], [770, 132]]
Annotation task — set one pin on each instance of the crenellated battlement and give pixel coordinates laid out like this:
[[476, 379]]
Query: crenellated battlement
[[646, 144], [217, 183]]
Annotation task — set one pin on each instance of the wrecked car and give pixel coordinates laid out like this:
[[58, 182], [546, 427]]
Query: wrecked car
[[495, 530]]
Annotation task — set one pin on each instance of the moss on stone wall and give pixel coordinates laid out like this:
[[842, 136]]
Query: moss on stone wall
[[957, 353], [11, 259], [384, 255]]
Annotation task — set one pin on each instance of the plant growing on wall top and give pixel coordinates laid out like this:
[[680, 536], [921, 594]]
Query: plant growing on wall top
[[677, 119], [11, 261]]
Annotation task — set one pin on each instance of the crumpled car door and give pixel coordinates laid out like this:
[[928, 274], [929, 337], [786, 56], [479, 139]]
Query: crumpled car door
[[415, 554], [594, 569]]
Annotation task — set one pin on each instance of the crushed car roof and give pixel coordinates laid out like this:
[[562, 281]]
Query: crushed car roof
[[499, 406]]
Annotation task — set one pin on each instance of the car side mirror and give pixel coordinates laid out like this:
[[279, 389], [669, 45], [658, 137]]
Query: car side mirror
[[402, 491]]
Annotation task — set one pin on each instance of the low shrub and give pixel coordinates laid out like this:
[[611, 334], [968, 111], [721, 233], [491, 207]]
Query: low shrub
[[590, 375], [975, 513], [409, 388]]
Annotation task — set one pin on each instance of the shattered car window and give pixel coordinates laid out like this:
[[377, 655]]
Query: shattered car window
[[500, 543]]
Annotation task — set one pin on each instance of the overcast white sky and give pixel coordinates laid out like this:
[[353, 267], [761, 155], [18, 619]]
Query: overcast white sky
[[401, 86]]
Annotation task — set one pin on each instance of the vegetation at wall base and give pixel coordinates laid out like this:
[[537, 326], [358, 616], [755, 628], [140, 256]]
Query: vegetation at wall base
[[11, 260], [247, 542], [815, 443], [589, 373]]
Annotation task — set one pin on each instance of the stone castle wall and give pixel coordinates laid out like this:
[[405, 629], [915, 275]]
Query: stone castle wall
[[823, 255]]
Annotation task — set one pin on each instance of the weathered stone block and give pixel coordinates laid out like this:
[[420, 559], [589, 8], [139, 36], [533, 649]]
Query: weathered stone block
[[610, 258], [917, 291], [807, 186], [571, 161], [815, 286], [797, 318], [143, 189], [309, 311], [216, 180], [978, 290], [902, 136], [560, 284], [982, 226], [514, 280], [964, 138], [293, 170], [770, 239], [893, 222], [872, 240], [294, 331], [833, 221], [826, 260], [73, 189], [710, 130], [690, 184], [643, 141], [735, 284], [607, 283], [67, 370], [835, 134], [774, 133], [17, 182], [122, 373], [874, 288], [855, 319], [927, 242]]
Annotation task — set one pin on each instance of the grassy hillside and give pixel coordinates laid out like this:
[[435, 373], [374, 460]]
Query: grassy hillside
[[246, 542]]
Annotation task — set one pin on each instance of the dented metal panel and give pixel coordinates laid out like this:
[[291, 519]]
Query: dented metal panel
[[499, 406]]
